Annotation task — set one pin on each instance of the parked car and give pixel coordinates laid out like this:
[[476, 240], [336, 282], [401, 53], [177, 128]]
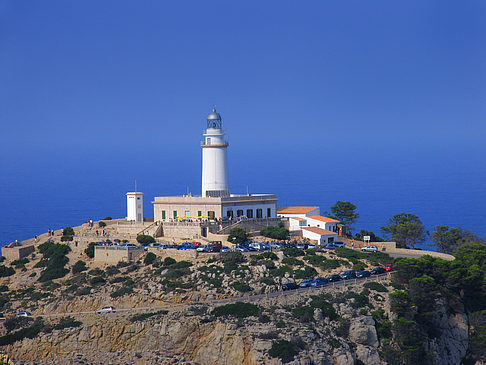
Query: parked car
[[306, 283], [389, 267], [241, 248], [363, 274], [155, 245], [331, 246], [369, 248], [334, 277], [319, 281], [290, 286], [377, 271], [109, 309], [310, 246], [202, 248], [24, 314], [339, 244], [225, 249], [349, 274]]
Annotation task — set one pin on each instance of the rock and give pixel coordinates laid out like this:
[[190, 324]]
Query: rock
[[368, 355], [363, 331]]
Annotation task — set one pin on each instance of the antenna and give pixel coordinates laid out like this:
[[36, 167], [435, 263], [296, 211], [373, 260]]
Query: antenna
[[187, 189], [135, 185], [247, 190]]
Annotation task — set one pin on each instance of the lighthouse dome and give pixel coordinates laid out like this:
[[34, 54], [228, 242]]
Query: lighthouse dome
[[214, 115]]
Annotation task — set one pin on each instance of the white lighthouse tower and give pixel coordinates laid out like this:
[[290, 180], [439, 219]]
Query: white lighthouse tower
[[214, 161]]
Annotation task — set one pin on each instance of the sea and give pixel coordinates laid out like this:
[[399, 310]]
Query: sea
[[59, 187]]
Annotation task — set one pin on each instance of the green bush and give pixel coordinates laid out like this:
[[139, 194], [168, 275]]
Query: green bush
[[19, 263], [143, 316], [232, 256], [275, 232], [143, 238], [268, 281], [119, 279], [122, 291], [169, 261], [6, 271], [238, 310], [149, 258], [241, 287], [373, 285], [280, 324], [281, 271], [284, 350], [27, 332], [67, 322], [307, 273], [84, 291], [314, 260], [292, 261], [304, 313], [237, 235], [4, 288], [97, 280], [90, 250], [107, 218], [67, 238], [330, 264], [293, 252], [326, 307], [101, 224], [97, 272], [112, 270], [359, 300], [79, 266], [68, 231]]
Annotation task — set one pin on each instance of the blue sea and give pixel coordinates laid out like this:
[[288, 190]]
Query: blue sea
[[54, 188]]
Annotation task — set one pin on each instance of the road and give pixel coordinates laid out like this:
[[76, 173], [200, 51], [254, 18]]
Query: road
[[340, 285]]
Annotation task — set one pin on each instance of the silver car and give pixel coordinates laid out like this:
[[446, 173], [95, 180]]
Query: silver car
[[369, 248]]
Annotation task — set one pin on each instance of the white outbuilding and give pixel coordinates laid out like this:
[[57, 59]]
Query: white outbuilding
[[299, 212], [322, 236], [135, 207], [327, 223]]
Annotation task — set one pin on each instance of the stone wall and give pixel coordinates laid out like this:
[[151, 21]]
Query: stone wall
[[113, 254], [15, 252]]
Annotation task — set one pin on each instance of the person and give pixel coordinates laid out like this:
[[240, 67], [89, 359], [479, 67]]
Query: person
[[352, 245], [49, 232], [96, 233]]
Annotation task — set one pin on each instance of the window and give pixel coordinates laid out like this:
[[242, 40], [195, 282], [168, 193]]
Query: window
[[199, 213], [330, 240], [259, 213], [208, 140], [249, 213], [163, 214], [211, 214], [269, 212], [229, 214], [239, 212], [187, 213], [175, 214]]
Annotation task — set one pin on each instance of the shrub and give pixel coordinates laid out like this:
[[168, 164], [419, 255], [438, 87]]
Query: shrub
[[293, 252], [143, 316], [79, 266], [107, 218], [326, 307], [181, 265], [6, 271], [292, 261], [84, 291], [241, 287], [122, 291], [67, 238], [272, 335], [28, 332], [101, 224], [280, 324], [90, 250], [264, 318], [304, 313], [68, 231], [330, 264], [96, 272], [112, 270], [169, 261], [359, 300], [144, 238], [97, 280], [307, 273], [281, 271], [342, 330], [232, 256], [284, 350], [373, 285], [268, 281], [314, 260], [67, 322], [149, 258], [237, 235], [278, 233], [3, 288], [238, 310], [119, 279], [19, 263]]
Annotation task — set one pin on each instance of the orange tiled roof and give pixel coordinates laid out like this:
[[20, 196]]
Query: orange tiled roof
[[295, 210], [321, 231], [298, 218], [324, 219]]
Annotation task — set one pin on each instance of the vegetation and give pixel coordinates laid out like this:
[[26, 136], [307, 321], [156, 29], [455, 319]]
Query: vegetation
[[405, 229], [307, 272], [79, 266], [238, 310], [237, 235], [284, 350], [373, 238], [20, 263], [276, 232], [143, 316], [90, 250], [107, 218], [54, 260], [122, 291], [145, 239], [149, 258], [373, 285], [293, 252], [241, 287], [101, 224], [292, 261], [346, 213], [67, 322], [449, 239]]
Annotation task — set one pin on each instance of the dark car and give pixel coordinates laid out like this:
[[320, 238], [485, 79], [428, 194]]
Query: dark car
[[290, 286], [349, 274], [363, 274], [334, 277], [319, 281], [306, 283], [331, 246], [378, 270]]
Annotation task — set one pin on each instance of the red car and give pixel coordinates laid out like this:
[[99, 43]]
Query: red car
[[389, 267]]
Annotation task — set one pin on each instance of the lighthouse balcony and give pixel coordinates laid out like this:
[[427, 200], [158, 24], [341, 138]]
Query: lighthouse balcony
[[215, 145]]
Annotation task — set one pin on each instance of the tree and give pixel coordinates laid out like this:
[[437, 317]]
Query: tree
[[449, 239], [373, 237], [68, 231], [79, 266], [237, 235], [278, 233], [90, 251], [149, 258], [405, 229], [101, 224], [145, 238], [346, 213]]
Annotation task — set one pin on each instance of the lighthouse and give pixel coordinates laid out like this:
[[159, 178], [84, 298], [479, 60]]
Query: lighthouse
[[214, 160]]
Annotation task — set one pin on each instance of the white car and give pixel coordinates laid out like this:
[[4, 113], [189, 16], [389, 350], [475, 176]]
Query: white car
[[201, 248], [339, 244], [24, 314], [109, 309], [370, 248]]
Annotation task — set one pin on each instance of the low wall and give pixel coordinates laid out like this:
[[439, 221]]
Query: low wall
[[179, 255], [113, 255], [16, 252], [181, 229]]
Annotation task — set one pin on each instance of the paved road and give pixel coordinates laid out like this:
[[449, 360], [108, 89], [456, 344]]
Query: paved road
[[341, 285]]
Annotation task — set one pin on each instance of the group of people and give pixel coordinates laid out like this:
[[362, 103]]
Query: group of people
[[50, 233], [103, 233]]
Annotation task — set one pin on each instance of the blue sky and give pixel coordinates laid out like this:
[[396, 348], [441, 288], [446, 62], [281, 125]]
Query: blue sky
[[100, 73]]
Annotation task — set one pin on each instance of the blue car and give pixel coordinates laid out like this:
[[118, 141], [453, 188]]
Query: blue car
[[306, 283], [319, 281]]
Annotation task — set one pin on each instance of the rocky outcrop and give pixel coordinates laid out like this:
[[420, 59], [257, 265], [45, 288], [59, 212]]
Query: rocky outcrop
[[362, 331]]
